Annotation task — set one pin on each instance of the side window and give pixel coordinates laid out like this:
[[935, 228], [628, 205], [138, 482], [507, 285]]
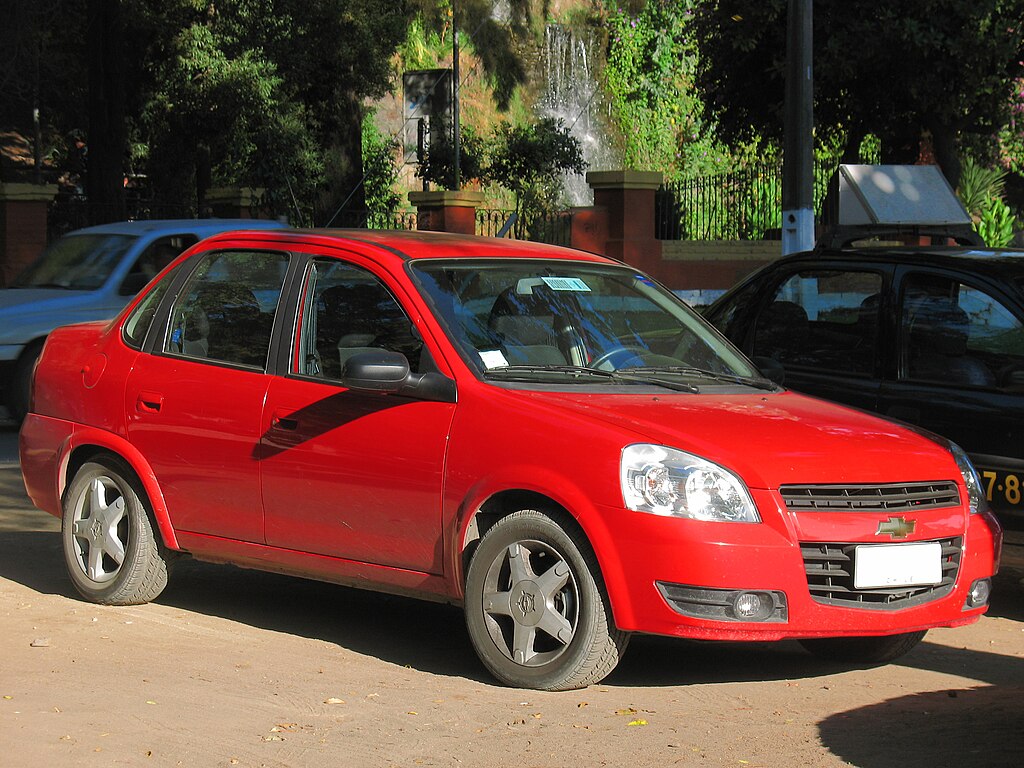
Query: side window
[[226, 310], [826, 320], [158, 255], [725, 316], [141, 318], [957, 334], [347, 310]]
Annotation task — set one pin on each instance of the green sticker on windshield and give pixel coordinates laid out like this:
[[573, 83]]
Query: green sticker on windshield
[[566, 284]]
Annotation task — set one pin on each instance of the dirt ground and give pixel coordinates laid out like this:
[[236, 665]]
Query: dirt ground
[[233, 667]]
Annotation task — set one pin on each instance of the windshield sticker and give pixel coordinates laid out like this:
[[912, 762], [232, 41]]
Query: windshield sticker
[[644, 280], [566, 284], [493, 358]]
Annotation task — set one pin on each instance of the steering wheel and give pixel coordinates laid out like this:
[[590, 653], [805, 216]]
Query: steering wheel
[[619, 357]]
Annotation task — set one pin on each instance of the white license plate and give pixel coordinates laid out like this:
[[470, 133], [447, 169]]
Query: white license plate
[[897, 565]]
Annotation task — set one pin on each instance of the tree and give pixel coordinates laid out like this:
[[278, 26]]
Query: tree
[[530, 160], [944, 68]]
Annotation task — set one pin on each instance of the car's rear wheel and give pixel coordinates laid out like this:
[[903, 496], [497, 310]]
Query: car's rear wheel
[[864, 650], [111, 551], [536, 610]]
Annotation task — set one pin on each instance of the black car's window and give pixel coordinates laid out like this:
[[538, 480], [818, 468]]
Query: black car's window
[[157, 255], [141, 318], [822, 319], [226, 309], [347, 310], [726, 316], [956, 334]]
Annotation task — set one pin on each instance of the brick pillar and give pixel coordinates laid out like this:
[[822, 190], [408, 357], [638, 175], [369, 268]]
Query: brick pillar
[[22, 226], [441, 211], [590, 230], [233, 202], [628, 197]]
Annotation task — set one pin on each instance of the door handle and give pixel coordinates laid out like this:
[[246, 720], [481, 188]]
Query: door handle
[[277, 421], [149, 402]]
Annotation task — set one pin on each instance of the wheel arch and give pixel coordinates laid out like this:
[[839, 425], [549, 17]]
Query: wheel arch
[[87, 445], [575, 514]]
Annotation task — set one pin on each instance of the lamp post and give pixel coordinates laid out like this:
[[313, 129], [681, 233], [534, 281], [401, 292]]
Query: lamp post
[[456, 137], [798, 145]]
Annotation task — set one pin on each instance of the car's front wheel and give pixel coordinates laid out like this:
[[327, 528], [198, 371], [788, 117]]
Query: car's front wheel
[[536, 610], [864, 650], [112, 553]]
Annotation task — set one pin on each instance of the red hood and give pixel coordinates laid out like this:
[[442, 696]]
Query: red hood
[[773, 439]]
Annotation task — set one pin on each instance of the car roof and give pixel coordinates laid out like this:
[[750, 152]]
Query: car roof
[[994, 262], [197, 226], [408, 244]]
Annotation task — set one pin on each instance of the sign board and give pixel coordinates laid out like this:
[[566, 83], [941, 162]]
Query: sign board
[[898, 195], [428, 109]]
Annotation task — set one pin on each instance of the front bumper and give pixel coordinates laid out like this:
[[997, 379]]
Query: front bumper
[[666, 561]]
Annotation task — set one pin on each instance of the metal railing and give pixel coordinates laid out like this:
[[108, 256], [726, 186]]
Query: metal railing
[[743, 205]]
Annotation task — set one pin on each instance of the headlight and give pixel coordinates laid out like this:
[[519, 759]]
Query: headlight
[[664, 481], [975, 496]]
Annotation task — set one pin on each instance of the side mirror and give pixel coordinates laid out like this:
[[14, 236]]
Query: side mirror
[[377, 371], [133, 284], [772, 369]]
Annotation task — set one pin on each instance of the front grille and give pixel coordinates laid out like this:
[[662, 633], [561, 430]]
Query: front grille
[[829, 569], [892, 497]]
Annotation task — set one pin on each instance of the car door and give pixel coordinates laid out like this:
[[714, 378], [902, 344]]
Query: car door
[[961, 374], [825, 324], [195, 402], [350, 474]]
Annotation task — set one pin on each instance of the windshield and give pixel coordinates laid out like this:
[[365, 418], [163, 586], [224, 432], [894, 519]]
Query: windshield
[[77, 262], [520, 320]]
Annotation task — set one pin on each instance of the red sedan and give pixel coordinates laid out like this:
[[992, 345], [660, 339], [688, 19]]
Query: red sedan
[[545, 436]]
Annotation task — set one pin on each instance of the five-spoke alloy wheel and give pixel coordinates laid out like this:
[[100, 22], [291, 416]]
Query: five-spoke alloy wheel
[[112, 554], [535, 608]]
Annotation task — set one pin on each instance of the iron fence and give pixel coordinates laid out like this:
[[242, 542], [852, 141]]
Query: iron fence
[[552, 227], [68, 212], [743, 205]]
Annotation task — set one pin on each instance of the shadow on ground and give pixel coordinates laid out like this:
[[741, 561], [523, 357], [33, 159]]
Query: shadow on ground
[[971, 728]]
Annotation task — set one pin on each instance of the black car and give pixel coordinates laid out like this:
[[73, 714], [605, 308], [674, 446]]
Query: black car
[[930, 335]]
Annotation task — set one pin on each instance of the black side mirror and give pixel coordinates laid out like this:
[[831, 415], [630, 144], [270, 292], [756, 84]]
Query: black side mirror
[[771, 368], [133, 284], [378, 371]]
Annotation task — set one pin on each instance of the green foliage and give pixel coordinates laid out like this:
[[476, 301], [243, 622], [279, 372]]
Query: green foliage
[[980, 185], [895, 70], [380, 172], [996, 224], [529, 160], [438, 167]]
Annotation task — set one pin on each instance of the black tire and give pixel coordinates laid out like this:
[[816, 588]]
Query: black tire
[[864, 650], [21, 382], [536, 609], [110, 549]]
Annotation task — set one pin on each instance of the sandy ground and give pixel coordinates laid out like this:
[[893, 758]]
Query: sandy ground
[[234, 667]]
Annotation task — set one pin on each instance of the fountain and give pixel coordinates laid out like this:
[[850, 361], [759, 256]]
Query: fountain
[[571, 93]]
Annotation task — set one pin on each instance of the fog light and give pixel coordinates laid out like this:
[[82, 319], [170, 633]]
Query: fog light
[[753, 606], [979, 593]]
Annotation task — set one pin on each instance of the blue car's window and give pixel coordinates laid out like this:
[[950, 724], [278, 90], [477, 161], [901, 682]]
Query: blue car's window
[[77, 262], [551, 314], [226, 310]]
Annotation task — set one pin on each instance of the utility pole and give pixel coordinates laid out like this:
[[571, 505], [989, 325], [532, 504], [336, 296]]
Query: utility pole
[[457, 137], [798, 145]]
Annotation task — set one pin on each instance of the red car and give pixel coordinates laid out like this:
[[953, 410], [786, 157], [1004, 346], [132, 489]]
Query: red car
[[544, 436]]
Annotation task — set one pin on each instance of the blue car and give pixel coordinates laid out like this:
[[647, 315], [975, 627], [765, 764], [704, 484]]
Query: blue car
[[88, 274]]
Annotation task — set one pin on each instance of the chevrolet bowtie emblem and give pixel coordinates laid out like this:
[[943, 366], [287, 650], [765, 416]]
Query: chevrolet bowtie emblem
[[897, 527]]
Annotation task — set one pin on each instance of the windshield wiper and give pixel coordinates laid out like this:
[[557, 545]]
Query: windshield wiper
[[729, 378], [528, 372]]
